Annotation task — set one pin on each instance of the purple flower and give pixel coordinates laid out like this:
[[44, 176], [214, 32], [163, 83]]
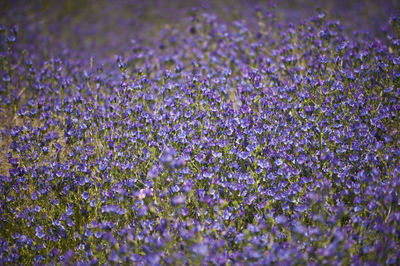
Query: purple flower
[[113, 256], [14, 162], [354, 158], [143, 210], [180, 199], [280, 219], [67, 256], [200, 249], [34, 196], [39, 232], [279, 162], [69, 211], [13, 172], [85, 195]]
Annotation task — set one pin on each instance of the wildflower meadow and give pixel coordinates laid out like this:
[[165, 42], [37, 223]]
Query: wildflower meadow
[[211, 140]]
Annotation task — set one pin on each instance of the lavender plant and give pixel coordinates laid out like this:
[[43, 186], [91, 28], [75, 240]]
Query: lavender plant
[[225, 143]]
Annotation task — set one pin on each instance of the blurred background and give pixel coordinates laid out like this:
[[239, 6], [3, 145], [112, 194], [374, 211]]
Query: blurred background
[[106, 27]]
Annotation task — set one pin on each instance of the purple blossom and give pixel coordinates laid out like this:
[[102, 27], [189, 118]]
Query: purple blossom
[[85, 195], [39, 232], [180, 199]]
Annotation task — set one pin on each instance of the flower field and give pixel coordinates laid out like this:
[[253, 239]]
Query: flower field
[[248, 141]]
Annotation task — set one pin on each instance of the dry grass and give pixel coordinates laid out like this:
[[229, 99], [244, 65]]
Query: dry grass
[[7, 121]]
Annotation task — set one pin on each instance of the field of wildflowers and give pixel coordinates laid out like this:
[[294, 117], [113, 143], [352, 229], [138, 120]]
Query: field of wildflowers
[[214, 141]]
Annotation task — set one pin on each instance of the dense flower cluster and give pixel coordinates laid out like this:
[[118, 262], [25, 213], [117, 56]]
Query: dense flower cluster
[[225, 144]]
